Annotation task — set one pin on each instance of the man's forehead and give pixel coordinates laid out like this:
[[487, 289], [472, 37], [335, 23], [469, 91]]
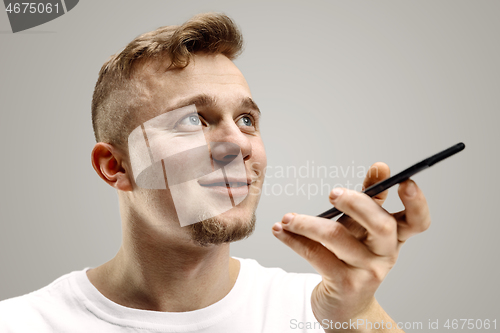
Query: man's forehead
[[201, 69], [206, 81]]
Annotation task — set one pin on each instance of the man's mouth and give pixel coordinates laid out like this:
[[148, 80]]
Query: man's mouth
[[234, 187], [224, 184], [225, 181]]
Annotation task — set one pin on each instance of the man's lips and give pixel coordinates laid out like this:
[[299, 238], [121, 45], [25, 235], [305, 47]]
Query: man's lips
[[223, 184], [231, 182], [234, 187]]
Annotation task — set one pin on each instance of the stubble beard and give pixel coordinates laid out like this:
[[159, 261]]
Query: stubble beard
[[213, 231]]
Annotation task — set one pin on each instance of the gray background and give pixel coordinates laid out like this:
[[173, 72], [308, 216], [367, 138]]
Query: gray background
[[340, 83]]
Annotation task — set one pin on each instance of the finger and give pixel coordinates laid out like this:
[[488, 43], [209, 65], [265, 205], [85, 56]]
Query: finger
[[416, 217], [354, 227], [333, 235], [381, 226], [376, 173], [323, 260]]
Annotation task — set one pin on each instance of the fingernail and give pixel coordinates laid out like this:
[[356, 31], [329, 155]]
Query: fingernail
[[336, 192], [287, 218], [411, 189], [277, 227]]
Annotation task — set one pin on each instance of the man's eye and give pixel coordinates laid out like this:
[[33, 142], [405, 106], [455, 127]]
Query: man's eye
[[245, 121], [190, 122]]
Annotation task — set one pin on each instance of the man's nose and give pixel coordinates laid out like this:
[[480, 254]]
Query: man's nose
[[224, 152], [226, 146]]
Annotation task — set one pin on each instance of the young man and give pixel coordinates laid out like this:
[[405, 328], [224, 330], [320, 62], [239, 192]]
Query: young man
[[178, 136]]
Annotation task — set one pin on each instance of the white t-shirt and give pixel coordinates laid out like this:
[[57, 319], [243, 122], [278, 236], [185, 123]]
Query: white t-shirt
[[262, 300]]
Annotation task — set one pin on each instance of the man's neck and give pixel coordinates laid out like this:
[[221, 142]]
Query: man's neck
[[165, 277]]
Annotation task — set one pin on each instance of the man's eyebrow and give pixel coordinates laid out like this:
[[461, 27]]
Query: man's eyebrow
[[249, 103], [204, 100], [199, 100]]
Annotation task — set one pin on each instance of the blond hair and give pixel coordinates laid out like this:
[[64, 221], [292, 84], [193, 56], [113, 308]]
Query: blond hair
[[112, 102]]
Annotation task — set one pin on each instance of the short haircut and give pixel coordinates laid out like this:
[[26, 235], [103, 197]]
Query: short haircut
[[113, 99]]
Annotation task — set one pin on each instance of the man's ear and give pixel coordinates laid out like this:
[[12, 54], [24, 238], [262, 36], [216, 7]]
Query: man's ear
[[108, 163]]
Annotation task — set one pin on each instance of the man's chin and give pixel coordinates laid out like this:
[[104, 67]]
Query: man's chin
[[222, 229]]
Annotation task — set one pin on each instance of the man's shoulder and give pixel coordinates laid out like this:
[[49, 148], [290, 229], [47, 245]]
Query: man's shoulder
[[276, 272], [18, 314], [278, 279], [284, 294]]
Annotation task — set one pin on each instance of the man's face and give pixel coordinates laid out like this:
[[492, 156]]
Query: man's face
[[227, 121]]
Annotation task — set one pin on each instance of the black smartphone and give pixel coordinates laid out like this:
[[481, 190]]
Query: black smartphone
[[402, 176]]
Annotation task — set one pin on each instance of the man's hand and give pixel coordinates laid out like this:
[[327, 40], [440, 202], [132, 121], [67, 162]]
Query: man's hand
[[355, 253]]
